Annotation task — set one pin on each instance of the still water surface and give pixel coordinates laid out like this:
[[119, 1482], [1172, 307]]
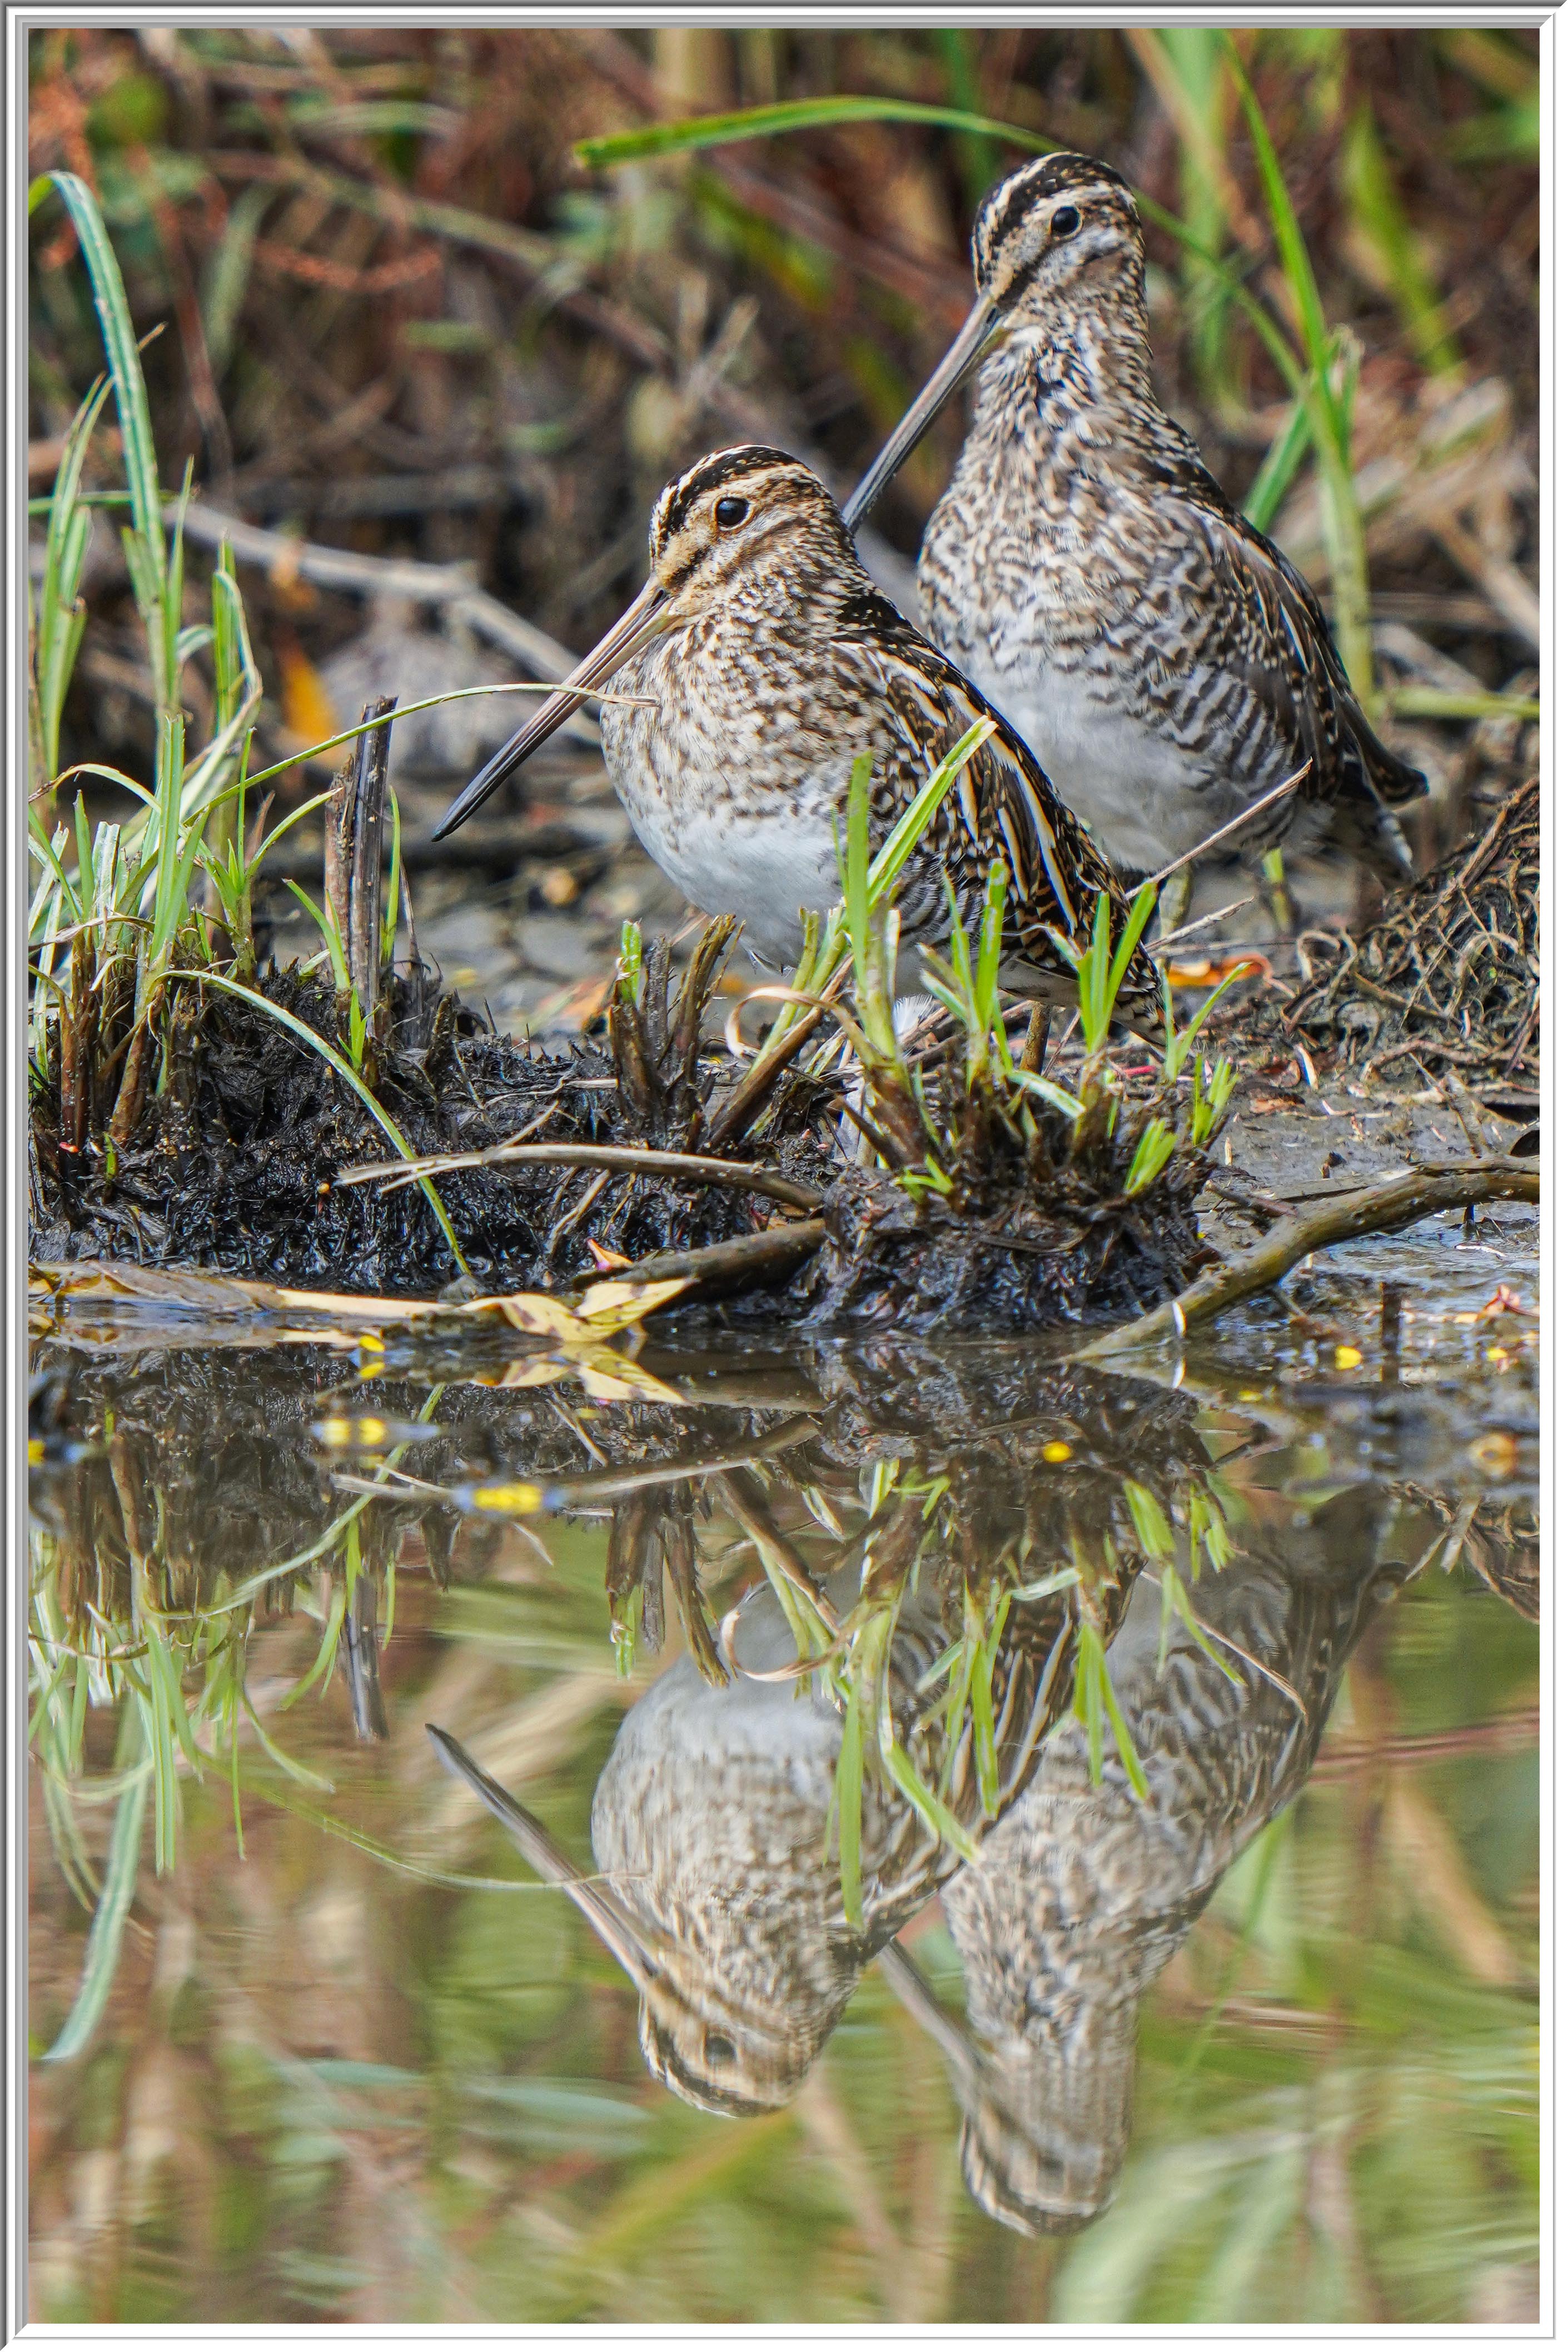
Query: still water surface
[[1131, 1914]]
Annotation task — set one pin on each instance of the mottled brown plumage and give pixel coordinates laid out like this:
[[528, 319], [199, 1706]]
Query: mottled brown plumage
[[1164, 661], [757, 664], [1083, 1893]]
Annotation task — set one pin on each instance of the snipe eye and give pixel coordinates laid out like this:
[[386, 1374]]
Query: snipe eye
[[717, 2048], [729, 513], [1065, 219]]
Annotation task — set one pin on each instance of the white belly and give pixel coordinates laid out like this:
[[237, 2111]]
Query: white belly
[[764, 868], [1140, 796], [733, 845]]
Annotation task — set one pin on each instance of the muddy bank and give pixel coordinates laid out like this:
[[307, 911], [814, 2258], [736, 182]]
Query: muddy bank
[[233, 1166], [258, 1144]]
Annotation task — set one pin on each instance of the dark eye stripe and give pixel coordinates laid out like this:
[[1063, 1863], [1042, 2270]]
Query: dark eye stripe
[[711, 474]]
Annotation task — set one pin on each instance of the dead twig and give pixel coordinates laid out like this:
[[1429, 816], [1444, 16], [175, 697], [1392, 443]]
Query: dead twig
[[449, 586], [626, 1160], [749, 1262], [1399, 1200]]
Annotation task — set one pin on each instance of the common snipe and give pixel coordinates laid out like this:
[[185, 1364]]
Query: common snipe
[[756, 665], [1163, 661]]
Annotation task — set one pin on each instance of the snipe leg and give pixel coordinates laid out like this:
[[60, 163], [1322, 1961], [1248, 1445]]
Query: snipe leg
[[1175, 900], [1031, 1053], [1282, 906]]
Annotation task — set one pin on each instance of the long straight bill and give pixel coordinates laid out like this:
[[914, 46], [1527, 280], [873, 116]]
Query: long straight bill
[[965, 354], [639, 624], [540, 1851]]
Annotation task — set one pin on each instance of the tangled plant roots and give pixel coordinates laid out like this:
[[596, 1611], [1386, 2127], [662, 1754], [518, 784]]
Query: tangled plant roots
[[1450, 972]]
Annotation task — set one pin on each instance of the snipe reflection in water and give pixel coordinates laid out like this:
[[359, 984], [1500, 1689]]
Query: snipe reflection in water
[[732, 1914], [1118, 1734]]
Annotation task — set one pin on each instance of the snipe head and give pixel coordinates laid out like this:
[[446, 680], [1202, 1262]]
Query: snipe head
[[1060, 236], [749, 526]]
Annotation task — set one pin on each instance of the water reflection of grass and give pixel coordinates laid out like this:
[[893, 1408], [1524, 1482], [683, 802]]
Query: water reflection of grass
[[437, 2108], [292, 2045]]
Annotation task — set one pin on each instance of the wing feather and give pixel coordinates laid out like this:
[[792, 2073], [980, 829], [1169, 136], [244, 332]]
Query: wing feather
[[1004, 804]]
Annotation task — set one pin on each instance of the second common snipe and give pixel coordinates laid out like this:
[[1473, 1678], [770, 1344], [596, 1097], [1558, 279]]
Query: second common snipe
[[754, 667], [1162, 658]]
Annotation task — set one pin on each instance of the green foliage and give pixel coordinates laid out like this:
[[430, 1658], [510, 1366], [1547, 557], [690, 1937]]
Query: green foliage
[[1096, 1706], [1324, 382], [797, 114], [1373, 201]]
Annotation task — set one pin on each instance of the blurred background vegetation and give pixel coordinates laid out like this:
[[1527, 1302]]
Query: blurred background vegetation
[[394, 315]]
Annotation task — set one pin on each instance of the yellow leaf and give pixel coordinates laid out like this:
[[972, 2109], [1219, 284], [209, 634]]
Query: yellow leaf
[[614, 1306], [528, 1310], [626, 1384], [535, 1373], [308, 708]]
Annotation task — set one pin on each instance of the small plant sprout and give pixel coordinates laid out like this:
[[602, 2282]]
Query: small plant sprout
[[1179, 1042], [629, 963], [1155, 1148], [1211, 1093], [1210, 1535], [826, 946], [1095, 1705], [967, 984]]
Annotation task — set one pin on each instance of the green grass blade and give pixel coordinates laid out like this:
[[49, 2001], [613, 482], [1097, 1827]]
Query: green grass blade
[[395, 876], [60, 624], [815, 114], [1138, 914], [1121, 1733], [108, 1930], [1155, 1148], [1089, 1697], [1329, 406], [228, 274], [124, 360], [848, 1789], [794, 114], [894, 855], [955, 46], [291, 1764], [1180, 1043], [937, 1816], [1372, 200], [326, 923], [1150, 1524], [323, 1659], [1288, 237], [1280, 468]]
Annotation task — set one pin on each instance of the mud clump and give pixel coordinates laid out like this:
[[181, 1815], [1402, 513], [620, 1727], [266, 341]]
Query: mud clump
[[1023, 1217], [1058, 1252], [233, 1164]]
